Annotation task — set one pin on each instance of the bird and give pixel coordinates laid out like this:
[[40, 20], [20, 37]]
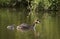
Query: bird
[[26, 27]]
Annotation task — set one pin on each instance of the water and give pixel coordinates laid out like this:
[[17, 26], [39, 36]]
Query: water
[[47, 29]]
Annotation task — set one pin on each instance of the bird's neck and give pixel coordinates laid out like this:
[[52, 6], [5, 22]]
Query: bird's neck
[[33, 24]]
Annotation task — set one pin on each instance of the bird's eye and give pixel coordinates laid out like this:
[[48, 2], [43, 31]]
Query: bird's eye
[[37, 20]]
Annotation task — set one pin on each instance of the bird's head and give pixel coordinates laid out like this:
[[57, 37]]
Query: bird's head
[[37, 21]]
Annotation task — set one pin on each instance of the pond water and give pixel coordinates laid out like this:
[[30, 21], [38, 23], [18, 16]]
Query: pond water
[[49, 28]]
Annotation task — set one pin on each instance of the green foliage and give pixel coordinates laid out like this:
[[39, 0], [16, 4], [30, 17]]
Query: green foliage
[[46, 4]]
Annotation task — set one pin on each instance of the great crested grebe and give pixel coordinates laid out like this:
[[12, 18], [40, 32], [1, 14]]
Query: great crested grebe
[[26, 27]]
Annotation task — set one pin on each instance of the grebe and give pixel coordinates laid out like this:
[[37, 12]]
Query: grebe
[[25, 27]]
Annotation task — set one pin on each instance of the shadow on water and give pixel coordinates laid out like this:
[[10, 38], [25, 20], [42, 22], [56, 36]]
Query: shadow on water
[[47, 29]]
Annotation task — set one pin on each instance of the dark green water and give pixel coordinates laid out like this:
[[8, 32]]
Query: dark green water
[[49, 28]]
